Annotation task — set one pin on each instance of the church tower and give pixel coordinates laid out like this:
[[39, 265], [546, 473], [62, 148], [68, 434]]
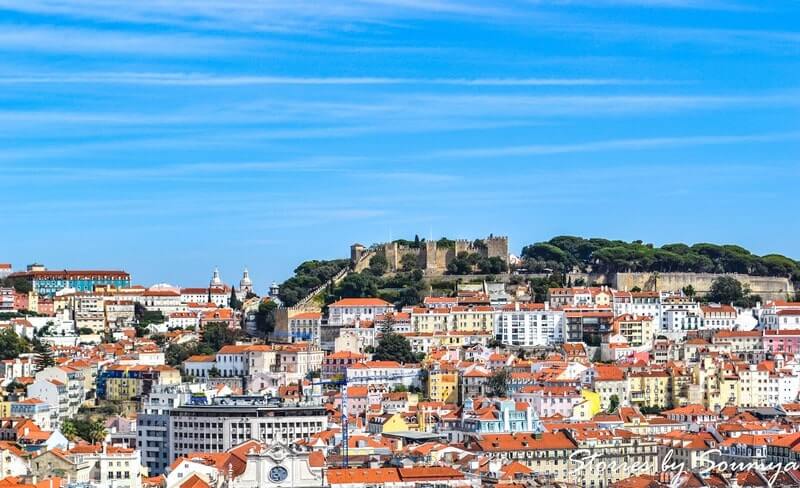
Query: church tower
[[216, 281], [245, 284]]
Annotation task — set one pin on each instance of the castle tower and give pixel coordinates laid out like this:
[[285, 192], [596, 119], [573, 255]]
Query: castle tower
[[356, 251], [274, 289], [216, 281], [245, 284]]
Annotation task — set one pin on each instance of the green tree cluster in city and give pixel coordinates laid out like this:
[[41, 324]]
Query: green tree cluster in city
[[566, 253]]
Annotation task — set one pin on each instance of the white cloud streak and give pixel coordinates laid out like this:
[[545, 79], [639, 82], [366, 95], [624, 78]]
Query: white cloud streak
[[613, 145], [199, 79]]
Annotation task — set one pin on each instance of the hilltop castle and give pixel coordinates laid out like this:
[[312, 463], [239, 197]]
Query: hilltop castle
[[431, 256]]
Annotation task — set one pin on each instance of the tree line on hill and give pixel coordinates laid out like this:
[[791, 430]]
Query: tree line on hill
[[570, 253]]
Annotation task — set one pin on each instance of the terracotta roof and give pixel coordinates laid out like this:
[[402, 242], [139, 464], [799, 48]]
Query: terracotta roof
[[360, 302], [525, 442]]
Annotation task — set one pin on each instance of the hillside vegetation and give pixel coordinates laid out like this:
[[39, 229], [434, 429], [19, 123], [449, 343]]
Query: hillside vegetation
[[567, 253]]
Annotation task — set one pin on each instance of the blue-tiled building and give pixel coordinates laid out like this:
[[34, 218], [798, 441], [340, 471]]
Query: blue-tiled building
[[47, 283]]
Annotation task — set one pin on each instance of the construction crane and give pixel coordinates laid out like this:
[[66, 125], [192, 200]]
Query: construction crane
[[345, 383]]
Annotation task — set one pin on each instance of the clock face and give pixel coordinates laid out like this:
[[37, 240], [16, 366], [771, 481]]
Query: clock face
[[278, 474]]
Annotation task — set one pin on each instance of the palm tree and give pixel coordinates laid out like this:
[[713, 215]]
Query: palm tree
[[96, 433], [68, 429]]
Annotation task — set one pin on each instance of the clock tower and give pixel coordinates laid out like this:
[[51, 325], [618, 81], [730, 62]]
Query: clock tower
[[279, 466]]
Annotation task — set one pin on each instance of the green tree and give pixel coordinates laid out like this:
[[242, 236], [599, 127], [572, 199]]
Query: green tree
[[19, 284], [497, 385], [216, 335], [44, 356], [214, 372], [378, 264], [12, 345], [689, 291], [394, 347], [68, 429], [726, 289], [235, 303], [95, 432], [409, 262], [265, 317], [613, 403], [357, 285]]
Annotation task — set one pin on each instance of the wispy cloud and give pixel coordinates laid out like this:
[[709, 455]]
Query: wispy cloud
[[257, 15], [25, 38], [613, 145], [200, 79]]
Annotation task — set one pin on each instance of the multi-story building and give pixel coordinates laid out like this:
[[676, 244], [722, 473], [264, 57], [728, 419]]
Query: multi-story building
[[305, 327], [120, 382], [34, 409], [347, 310], [7, 300], [72, 381], [389, 373], [503, 416], [650, 389], [786, 341], [529, 325], [718, 316], [780, 314], [47, 283], [637, 330], [227, 422], [119, 313], [443, 386], [183, 320], [152, 422], [336, 364], [678, 313], [88, 311], [220, 296], [609, 382], [162, 298], [639, 303], [54, 394]]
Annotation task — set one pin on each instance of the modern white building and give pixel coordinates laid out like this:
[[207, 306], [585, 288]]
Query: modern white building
[[227, 422], [529, 325]]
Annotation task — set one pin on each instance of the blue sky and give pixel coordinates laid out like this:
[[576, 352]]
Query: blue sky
[[169, 137]]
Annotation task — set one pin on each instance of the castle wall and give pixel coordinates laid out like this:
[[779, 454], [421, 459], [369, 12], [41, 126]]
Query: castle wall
[[769, 288], [434, 260]]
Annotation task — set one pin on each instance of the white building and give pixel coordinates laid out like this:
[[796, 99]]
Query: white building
[[639, 303], [347, 310], [778, 315], [163, 298], [388, 373], [529, 325], [717, 316], [183, 320], [230, 421]]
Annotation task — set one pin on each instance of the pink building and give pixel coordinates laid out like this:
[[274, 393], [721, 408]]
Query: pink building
[[782, 341]]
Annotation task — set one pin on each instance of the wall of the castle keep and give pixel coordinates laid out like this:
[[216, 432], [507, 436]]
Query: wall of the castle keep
[[431, 258]]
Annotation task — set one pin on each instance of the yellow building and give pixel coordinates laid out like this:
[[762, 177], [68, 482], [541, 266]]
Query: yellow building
[[472, 319], [590, 406], [122, 383], [638, 330], [443, 387], [650, 389], [386, 423]]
